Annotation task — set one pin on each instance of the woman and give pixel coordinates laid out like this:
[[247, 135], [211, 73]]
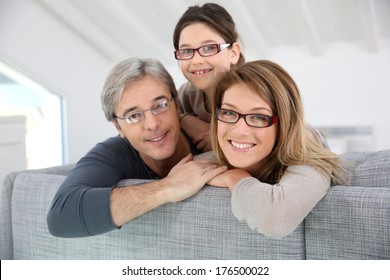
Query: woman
[[277, 171]]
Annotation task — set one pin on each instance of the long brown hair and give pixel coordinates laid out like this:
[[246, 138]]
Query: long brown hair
[[294, 145]]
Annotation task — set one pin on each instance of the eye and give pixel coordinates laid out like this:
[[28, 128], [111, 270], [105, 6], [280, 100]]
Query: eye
[[209, 48], [161, 106], [186, 52], [134, 117], [228, 113], [258, 118]]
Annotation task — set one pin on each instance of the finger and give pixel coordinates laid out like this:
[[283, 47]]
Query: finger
[[197, 138], [201, 145]]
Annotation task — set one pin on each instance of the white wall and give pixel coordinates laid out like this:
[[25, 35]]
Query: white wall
[[345, 86], [33, 41]]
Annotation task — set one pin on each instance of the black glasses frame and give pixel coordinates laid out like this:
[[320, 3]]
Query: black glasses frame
[[271, 119]]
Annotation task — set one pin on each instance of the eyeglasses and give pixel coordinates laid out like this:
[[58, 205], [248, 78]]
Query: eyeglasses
[[206, 50], [253, 120], [138, 116]]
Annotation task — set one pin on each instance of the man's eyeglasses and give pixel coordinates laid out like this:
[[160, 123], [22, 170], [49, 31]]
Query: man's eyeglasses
[[138, 116], [254, 120], [207, 50]]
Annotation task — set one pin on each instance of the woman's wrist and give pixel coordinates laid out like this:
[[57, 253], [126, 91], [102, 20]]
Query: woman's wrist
[[235, 175]]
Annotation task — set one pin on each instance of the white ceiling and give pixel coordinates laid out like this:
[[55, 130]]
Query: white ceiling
[[122, 28]]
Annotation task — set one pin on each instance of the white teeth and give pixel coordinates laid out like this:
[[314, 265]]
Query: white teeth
[[241, 146], [156, 139], [201, 72]]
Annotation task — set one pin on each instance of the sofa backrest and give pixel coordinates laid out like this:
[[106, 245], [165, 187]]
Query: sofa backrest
[[350, 222], [202, 227]]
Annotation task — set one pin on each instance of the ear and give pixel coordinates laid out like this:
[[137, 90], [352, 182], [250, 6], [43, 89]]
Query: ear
[[118, 128], [235, 53]]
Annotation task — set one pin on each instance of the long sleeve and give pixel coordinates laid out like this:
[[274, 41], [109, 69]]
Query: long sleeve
[[81, 206], [277, 210]]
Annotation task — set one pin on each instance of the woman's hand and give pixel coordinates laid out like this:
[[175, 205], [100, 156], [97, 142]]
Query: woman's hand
[[229, 178]]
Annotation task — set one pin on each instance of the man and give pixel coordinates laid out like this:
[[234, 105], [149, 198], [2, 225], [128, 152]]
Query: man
[[139, 99]]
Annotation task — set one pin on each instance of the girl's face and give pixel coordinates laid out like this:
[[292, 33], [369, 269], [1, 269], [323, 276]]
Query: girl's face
[[205, 72], [246, 147]]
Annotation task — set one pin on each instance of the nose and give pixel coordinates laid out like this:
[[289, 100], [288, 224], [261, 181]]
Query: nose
[[197, 59], [151, 121], [241, 127]]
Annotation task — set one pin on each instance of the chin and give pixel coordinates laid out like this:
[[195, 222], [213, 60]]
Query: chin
[[241, 162], [162, 155], [237, 163]]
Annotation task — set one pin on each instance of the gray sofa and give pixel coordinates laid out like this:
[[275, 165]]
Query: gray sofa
[[350, 222]]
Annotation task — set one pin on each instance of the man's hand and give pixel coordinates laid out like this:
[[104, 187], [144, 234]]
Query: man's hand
[[189, 176], [184, 180]]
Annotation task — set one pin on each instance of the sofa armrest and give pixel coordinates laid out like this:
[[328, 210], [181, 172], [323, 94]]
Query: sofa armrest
[[6, 193], [369, 169], [350, 223]]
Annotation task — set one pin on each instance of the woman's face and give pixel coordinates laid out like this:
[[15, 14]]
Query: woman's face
[[205, 72], [246, 147]]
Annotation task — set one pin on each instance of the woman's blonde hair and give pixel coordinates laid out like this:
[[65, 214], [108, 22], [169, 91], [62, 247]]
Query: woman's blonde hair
[[294, 144]]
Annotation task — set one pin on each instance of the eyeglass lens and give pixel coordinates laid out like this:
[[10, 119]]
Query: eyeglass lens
[[156, 109]]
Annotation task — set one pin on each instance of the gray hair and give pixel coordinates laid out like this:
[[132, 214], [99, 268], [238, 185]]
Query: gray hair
[[129, 71]]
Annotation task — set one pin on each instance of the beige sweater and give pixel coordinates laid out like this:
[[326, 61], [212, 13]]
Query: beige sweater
[[277, 210]]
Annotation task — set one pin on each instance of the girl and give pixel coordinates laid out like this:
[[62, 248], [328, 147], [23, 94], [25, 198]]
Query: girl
[[206, 44], [278, 171]]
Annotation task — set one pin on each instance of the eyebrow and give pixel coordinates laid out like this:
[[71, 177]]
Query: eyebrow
[[137, 108], [253, 109], [203, 43]]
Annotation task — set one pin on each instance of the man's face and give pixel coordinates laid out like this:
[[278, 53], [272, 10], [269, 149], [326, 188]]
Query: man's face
[[156, 136]]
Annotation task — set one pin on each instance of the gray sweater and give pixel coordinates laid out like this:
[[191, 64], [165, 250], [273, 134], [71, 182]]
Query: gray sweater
[[277, 210]]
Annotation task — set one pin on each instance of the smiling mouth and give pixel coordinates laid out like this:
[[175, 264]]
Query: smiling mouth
[[159, 138], [201, 72], [241, 146]]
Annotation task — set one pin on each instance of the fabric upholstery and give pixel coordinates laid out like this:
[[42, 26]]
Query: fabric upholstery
[[202, 227], [350, 222]]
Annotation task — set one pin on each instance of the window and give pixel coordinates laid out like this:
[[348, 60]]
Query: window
[[42, 109]]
